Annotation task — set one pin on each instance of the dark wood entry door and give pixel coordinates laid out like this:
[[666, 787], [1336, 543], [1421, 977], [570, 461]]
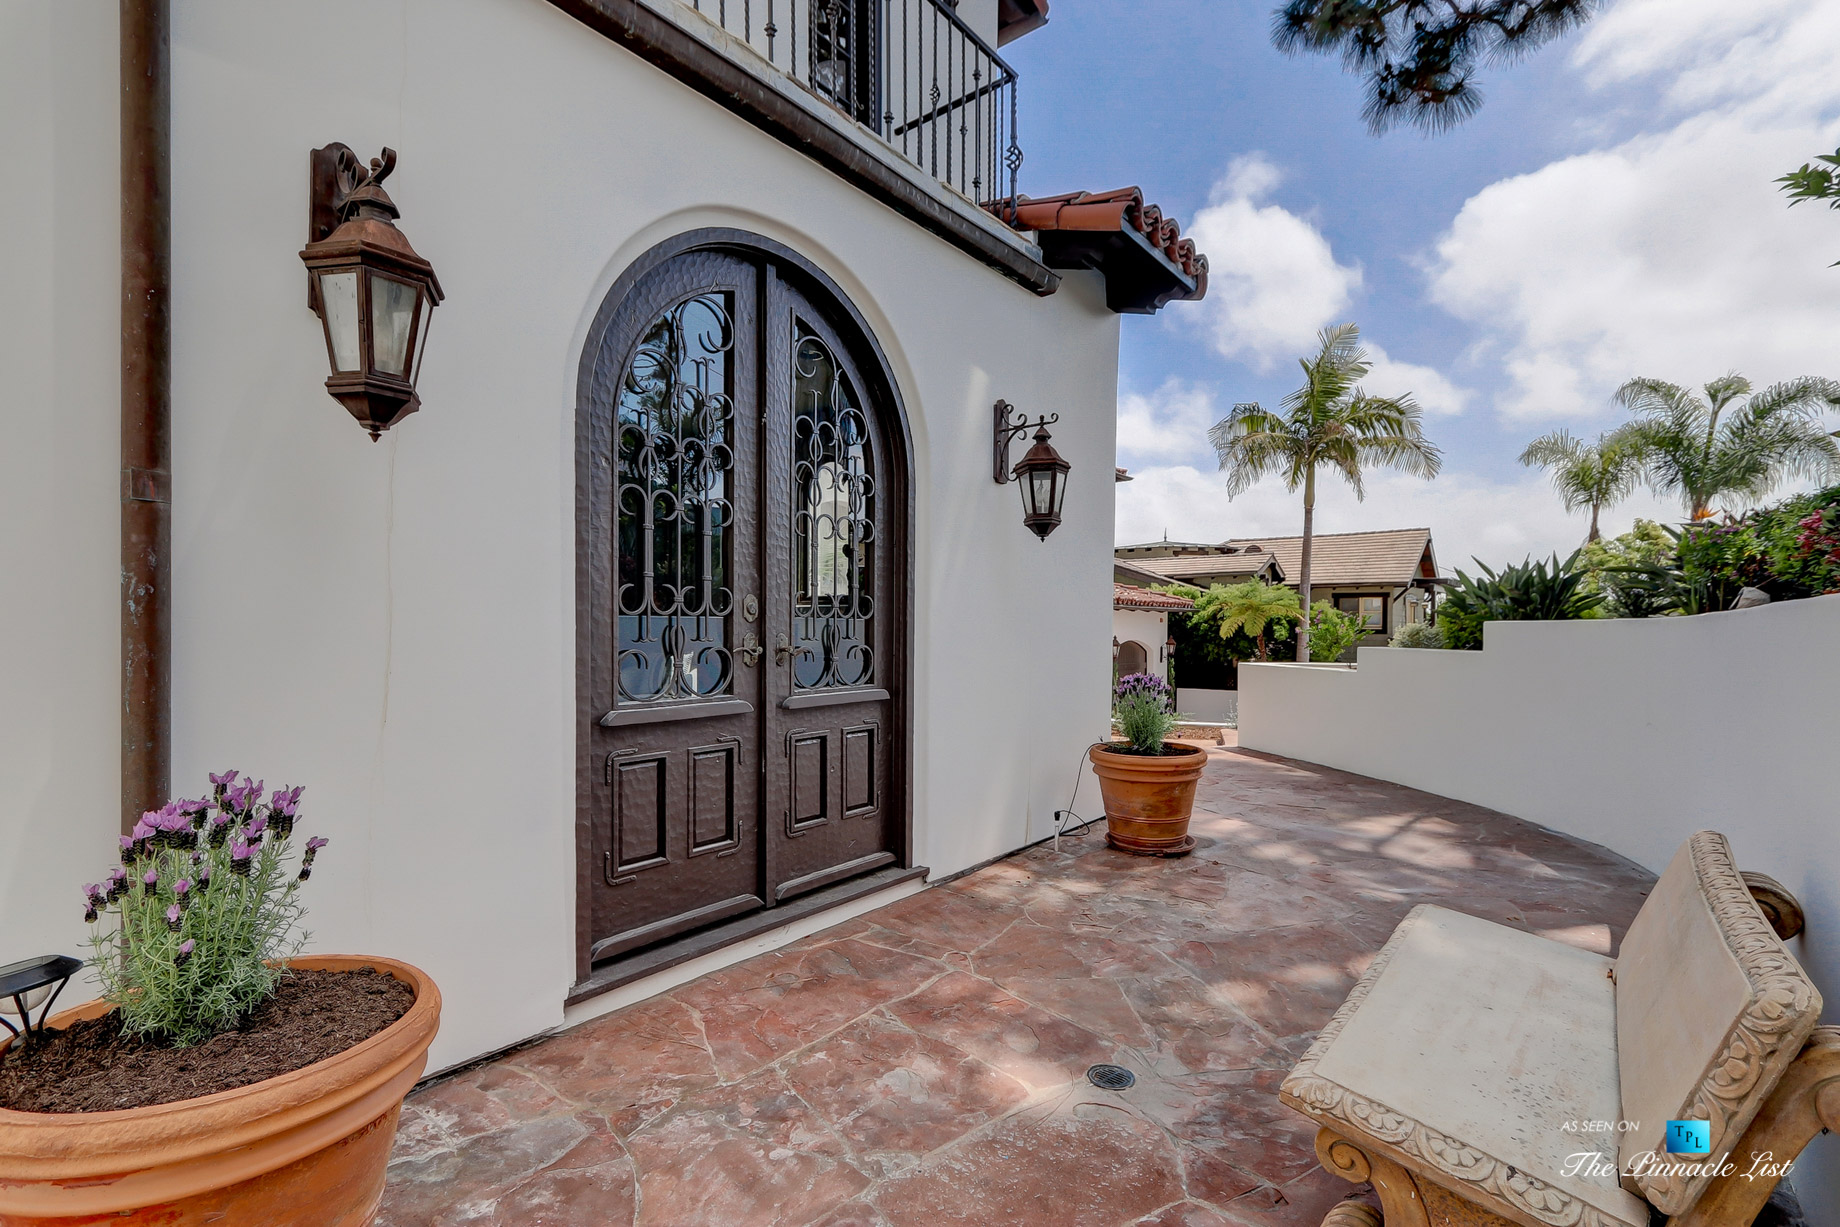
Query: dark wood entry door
[[735, 665]]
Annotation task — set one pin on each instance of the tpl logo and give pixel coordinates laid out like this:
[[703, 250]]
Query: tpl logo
[[1689, 1137]]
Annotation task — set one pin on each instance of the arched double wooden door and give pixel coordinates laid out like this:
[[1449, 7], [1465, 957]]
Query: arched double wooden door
[[742, 638]]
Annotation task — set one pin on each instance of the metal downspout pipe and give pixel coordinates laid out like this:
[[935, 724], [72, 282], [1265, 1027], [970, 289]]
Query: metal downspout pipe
[[146, 408]]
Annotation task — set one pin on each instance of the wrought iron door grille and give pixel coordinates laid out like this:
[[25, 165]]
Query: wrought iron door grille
[[674, 465], [833, 523]]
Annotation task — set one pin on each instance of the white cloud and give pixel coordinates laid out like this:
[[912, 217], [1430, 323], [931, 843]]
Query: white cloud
[[1673, 253], [1469, 516], [1170, 423], [1273, 281], [1434, 393]]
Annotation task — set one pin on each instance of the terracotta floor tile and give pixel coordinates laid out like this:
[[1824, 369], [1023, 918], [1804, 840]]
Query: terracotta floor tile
[[924, 1063], [1066, 1165], [630, 1065], [894, 1095], [760, 1010], [713, 1161], [1031, 1045]]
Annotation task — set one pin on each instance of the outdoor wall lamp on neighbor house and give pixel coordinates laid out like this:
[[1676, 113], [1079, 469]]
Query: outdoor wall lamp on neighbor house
[[1041, 474], [372, 292]]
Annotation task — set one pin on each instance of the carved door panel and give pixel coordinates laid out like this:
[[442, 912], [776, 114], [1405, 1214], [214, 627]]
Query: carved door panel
[[674, 599], [828, 578]]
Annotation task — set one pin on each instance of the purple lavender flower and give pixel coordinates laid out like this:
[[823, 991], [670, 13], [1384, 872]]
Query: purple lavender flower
[[283, 807], [93, 898], [128, 850], [150, 879], [172, 917], [220, 829], [182, 891], [240, 853], [89, 915], [185, 952], [118, 884], [221, 784], [257, 825], [306, 858]]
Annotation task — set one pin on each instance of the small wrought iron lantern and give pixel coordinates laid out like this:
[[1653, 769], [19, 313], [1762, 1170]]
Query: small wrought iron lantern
[[24, 985], [371, 290], [1041, 474]]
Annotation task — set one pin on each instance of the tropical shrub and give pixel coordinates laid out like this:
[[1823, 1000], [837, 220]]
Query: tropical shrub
[[1628, 569], [1144, 707], [1254, 608], [204, 911], [1527, 592], [1332, 632], [1419, 635]]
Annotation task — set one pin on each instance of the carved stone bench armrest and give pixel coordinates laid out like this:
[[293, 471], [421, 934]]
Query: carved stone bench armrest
[[1779, 906], [1806, 1101]]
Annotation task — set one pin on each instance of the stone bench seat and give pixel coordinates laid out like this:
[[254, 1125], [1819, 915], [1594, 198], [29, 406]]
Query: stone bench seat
[[1480, 1075]]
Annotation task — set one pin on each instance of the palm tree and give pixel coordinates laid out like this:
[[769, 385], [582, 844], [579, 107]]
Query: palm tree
[[1595, 475], [1329, 420], [1253, 606], [1705, 448]]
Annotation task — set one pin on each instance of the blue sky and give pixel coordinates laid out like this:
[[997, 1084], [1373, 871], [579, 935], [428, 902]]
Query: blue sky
[[1609, 212]]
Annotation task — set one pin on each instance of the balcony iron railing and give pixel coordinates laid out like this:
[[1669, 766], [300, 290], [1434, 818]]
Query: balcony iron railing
[[910, 71]]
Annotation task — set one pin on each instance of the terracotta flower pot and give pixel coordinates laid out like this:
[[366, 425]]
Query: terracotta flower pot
[[1148, 798], [308, 1147]]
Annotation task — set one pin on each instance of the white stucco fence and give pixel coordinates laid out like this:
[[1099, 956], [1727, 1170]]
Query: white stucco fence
[[1630, 734]]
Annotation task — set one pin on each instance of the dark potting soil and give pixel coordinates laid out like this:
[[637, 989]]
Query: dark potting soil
[[1166, 750], [92, 1067]]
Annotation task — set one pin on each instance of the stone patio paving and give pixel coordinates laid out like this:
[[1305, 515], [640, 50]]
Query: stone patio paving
[[924, 1064]]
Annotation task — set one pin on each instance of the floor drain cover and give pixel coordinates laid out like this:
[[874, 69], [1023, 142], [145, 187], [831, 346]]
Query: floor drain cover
[[1111, 1077]]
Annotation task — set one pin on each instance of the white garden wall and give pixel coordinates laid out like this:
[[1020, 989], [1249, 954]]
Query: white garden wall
[[391, 624], [1630, 734]]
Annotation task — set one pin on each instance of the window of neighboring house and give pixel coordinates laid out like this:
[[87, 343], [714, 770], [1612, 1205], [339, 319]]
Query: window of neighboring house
[[1370, 609], [1131, 657]]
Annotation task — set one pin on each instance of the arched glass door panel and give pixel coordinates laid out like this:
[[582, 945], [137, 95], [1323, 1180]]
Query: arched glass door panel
[[833, 523], [676, 459]]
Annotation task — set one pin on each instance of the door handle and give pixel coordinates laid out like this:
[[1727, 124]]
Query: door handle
[[750, 650], [784, 651]]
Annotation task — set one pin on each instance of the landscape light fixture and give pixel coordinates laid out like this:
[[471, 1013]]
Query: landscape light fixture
[[372, 292], [1041, 474], [23, 986]]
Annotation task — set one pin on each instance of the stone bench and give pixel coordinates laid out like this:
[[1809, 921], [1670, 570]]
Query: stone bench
[[1481, 1076]]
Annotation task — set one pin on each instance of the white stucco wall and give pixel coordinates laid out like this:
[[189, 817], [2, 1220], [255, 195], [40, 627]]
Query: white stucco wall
[[60, 553], [1630, 734], [391, 624]]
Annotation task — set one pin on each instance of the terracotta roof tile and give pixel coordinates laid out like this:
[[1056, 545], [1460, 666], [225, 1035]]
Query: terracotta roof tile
[[1126, 596], [1186, 566], [1118, 209]]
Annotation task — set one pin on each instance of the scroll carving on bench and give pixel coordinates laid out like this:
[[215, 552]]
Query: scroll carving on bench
[[1478, 1075]]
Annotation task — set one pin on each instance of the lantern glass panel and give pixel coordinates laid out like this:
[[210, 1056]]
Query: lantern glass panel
[[1060, 493], [1041, 492], [338, 297], [392, 320]]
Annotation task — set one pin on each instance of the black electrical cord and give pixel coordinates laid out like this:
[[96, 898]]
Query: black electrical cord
[[1063, 816]]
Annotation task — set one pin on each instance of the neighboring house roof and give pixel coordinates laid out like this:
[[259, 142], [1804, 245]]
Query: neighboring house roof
[[1121, 475], [1191, 567], [1130, 573], [1126, 596], [1393, 556], [1146, 261]]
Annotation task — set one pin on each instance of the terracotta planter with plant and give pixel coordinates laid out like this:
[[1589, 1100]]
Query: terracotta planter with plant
[[218, 1079], [1148, 782]]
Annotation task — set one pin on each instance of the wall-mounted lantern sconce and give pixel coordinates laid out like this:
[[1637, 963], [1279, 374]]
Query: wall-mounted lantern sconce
[[25, 986], [372, 292], [1041, 474]]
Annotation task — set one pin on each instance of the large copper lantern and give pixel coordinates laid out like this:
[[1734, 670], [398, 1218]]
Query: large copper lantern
[[372, 292]]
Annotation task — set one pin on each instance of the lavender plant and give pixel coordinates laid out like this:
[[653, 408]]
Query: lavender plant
[[204, 911], [1143, 704]]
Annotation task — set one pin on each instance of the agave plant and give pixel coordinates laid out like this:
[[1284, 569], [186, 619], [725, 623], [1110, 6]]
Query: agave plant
[[1529, 591]]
